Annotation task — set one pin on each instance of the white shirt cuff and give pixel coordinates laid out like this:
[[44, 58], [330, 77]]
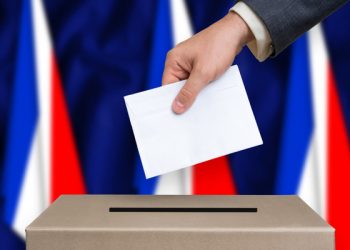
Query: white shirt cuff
[[261, 47]]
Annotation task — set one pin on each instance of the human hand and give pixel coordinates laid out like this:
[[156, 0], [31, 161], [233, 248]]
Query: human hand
[[204, 57]]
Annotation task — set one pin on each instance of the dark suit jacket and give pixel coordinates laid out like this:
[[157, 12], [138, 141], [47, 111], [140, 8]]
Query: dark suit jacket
[[288, 19]]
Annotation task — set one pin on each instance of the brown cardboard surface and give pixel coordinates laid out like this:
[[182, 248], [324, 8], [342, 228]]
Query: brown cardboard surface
[[84, 222]]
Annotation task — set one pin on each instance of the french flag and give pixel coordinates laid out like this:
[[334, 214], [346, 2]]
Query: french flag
[[315, 153], [41, 161], [173, 26]]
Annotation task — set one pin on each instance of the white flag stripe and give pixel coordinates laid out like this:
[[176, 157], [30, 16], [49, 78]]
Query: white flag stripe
[[35, 189], [178, 182], [313, 183], [309, 183], [31, 199], [319, 61], [171, 184], [43, 54], [181, 24]]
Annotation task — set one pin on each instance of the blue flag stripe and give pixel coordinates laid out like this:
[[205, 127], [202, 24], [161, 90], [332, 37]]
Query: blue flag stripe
[[162, 43], [23, 116], [297, 124]]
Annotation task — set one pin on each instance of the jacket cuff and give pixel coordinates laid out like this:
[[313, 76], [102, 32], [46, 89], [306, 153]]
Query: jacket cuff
[[261, 47]]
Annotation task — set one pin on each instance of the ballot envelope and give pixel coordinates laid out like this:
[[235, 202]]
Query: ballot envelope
[[179, 222]]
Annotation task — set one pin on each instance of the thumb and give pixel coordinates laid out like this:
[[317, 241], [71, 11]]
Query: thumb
[[187, 95]]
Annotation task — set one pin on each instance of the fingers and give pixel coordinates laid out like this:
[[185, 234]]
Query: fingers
[[173, 72], [169, 76], [177, 68], [187, 95]]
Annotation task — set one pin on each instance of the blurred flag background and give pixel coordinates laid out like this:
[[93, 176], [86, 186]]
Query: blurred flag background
[[66, 65]]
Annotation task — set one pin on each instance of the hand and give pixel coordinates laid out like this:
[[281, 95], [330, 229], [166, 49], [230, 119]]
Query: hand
[[204, 57]]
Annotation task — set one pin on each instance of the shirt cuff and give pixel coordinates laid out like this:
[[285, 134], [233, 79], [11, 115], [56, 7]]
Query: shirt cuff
[[261, 47]]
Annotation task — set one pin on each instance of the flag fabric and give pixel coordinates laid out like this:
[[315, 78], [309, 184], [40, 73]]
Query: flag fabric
[[298, 122], [315, 151], [111, 44], [336, 40], [40, 161], [64, 126], [338, 130], [9, 240], [338, 166], [162, 43], [21, 148], [8, 36]]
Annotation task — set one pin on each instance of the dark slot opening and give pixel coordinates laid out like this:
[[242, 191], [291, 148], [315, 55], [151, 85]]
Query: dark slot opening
[[184, 209]]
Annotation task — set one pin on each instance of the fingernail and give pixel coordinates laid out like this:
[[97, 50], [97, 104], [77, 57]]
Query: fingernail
[[178, 107], [179, 104]]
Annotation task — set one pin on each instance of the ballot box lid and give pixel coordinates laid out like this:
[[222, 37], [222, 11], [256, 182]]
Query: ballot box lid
[[179, 212]]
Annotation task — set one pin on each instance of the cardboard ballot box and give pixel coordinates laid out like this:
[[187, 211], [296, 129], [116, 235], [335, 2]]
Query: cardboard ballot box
[[179, 222]]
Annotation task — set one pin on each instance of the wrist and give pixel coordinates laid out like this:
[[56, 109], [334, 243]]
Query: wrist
[[239, 28]]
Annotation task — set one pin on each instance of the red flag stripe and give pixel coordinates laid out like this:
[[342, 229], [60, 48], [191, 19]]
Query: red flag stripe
[[66, 177], [213, 177], [338, 167]]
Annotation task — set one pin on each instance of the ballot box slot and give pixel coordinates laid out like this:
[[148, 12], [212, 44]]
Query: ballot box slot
[[183, 209]]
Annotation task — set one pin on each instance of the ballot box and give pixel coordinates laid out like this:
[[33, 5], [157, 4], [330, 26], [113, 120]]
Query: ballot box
[[102, 222]]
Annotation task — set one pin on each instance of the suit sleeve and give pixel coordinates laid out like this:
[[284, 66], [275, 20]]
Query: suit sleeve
[[286, 20]]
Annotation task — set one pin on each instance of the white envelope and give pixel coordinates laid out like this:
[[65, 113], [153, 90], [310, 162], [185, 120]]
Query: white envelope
[[219, 122]]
